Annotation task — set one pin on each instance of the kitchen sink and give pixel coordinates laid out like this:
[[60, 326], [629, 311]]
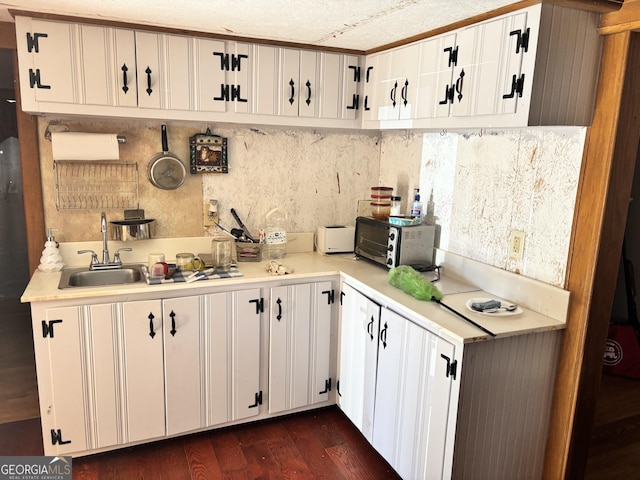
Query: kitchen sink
[[83, 277]]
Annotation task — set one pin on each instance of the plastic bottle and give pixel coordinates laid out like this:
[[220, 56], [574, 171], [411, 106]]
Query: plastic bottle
[[416, 207], [276, 234], [51, 260]]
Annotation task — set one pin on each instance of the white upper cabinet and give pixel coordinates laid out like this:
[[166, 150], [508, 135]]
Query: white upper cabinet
[[299, 83]]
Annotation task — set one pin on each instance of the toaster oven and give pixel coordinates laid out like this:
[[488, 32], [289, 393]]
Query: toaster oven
[[393, 245]]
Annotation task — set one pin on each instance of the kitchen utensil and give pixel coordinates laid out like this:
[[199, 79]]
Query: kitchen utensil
[[501, 310], [133, 227], [166, 170], [242, 225]]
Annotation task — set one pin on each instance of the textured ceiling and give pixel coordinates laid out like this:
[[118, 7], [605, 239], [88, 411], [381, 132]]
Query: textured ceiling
[[351, 24]]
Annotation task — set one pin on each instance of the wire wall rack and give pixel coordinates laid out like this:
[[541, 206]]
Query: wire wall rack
[[96, 185]]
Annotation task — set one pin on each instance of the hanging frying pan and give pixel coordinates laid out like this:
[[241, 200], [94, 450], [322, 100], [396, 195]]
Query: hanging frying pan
[[166, 171]]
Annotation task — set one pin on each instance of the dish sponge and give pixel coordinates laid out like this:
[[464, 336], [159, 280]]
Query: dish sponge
[[414, 283]]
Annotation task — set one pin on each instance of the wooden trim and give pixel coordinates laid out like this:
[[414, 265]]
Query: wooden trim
[[624, 19], [599, 223], [29, 161]]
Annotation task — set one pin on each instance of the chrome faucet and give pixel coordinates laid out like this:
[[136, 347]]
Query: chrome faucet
[[106, 264], [105, 247]]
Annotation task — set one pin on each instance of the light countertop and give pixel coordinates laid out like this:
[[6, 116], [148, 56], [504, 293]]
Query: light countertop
[[369, 278]]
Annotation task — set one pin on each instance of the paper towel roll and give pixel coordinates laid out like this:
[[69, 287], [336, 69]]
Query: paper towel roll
[[84, 146]]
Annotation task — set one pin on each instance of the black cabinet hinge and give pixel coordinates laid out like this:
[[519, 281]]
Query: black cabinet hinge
[[522, 42], [342, 294], [453, 56], [47, 327], [452, 367], [34, 80], [56, 438], [327, 386], [259, 304], [355, 102], [32, 41], [258, 400], [338, 388], [366, 76], [330, 296], [517, 86], [233, 62], [356, 72]]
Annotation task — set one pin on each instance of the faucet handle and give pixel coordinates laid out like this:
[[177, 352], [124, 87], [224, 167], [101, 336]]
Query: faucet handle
[[94, 256], [116, 257]]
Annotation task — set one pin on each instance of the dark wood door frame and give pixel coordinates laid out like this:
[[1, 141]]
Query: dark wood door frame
[[29, 161]]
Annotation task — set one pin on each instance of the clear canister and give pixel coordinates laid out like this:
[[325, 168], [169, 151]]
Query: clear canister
[[396, 203]]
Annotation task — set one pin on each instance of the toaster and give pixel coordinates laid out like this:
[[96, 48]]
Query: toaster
[[335, 239]]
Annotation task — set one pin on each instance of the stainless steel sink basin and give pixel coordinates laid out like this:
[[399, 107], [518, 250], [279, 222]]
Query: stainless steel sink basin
[[83, 277]]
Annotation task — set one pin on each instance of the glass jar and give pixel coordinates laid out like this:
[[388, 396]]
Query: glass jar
[[221, 253]]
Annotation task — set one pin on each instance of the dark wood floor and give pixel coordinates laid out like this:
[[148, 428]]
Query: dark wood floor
[[318, 444]]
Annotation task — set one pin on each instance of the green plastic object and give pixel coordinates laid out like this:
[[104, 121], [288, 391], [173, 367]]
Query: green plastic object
[[414, 283]]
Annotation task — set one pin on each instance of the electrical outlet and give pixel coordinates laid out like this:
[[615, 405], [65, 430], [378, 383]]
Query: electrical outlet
[[516, 245], [209, 219]]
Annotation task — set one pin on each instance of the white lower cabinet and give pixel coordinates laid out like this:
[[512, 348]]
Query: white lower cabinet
[[117, 373], [300, 319], [395, 385]]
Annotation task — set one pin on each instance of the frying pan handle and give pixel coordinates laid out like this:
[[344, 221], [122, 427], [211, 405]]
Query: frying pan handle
[[165, 144]]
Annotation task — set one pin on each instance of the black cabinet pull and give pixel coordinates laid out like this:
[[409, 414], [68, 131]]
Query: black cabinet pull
[[393, 94], [125, 81], [370, 328], [403, 92], [293, 91], [152, 333], [308, 100], [327, 386], [383, 335], [459, 83], [279, 316], [149, 89], [173, 324]]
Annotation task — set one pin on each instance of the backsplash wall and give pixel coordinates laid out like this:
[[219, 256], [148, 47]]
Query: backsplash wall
[[317, 177], [480, 186], [477, 187]]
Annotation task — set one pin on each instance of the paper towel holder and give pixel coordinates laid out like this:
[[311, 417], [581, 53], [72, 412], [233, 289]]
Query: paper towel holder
[[57, 127]]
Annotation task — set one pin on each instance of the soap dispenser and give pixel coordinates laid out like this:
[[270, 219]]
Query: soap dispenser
[[51, 260], [416, 207]]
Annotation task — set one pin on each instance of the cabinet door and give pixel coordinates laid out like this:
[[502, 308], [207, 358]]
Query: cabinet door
[[266, 82], [412, 398], [246, 392], [107, 61], [369, 76], [358, 356], [58, 342], [149, 74], [299, 345], [104, 374], [178, 59], [183, 365], [218, 361], [330, 86], [48, 61], [436, 61], [142, 354]]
